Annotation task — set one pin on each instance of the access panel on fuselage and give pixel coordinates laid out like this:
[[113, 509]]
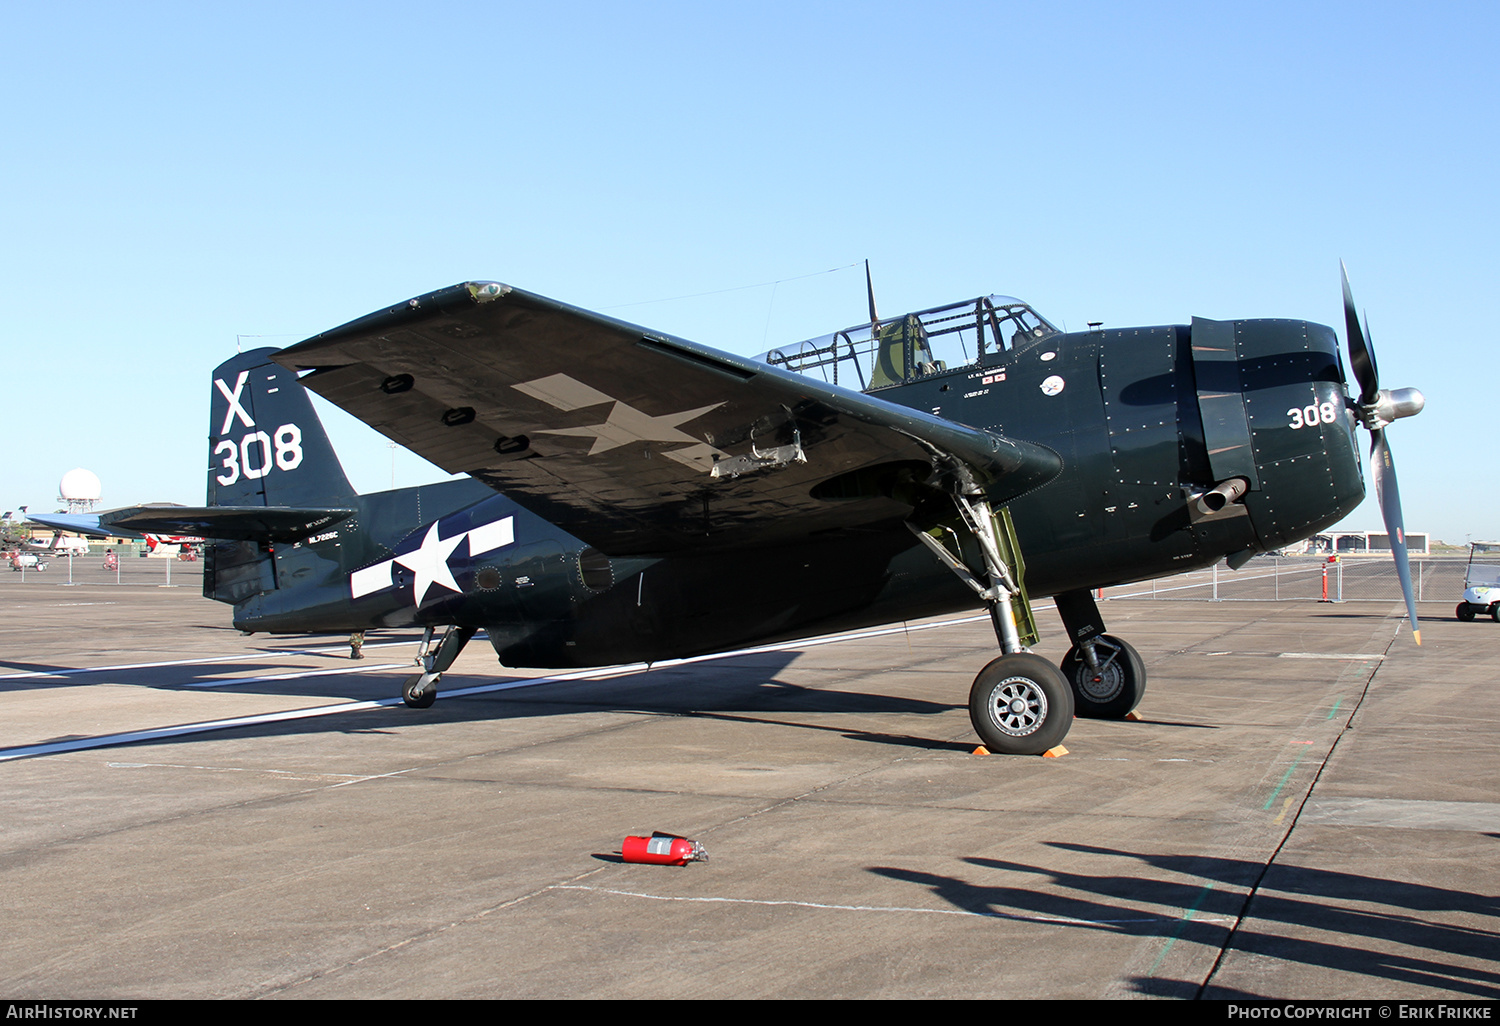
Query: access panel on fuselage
[[1138, 382], [1143, 382]]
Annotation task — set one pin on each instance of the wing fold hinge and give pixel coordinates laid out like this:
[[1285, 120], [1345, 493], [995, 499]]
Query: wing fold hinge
[[761, 459]]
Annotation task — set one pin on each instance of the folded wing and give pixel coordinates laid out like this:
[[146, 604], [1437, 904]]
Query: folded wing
[[638, 442]]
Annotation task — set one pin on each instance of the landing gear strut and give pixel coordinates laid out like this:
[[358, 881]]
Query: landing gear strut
[[1106, 674], [420, 689], [1020, 704]]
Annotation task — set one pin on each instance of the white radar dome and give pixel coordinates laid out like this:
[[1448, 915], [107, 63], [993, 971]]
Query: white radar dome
[[79, 484]]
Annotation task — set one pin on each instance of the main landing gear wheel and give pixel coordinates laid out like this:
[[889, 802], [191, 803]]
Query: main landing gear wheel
[[1464, 612], [420, 690], [1118, 686], [1020, 704]]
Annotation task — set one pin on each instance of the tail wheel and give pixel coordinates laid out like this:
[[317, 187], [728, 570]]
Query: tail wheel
[[1116, 689], [420, 690], [1020, 704]]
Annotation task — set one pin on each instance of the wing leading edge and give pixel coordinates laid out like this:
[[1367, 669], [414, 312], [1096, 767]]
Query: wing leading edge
[[638, 442]]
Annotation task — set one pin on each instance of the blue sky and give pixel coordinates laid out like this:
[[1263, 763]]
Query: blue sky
[[176, 176]]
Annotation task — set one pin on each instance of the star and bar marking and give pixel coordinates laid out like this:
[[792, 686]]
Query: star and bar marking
[[429, 561]]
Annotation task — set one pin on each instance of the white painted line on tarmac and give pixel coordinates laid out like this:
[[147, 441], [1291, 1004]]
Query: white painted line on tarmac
[[1331, 655], [135, 666], [280, 653], [1405, 814], [160, 733], [280, 774], [1067, 920]]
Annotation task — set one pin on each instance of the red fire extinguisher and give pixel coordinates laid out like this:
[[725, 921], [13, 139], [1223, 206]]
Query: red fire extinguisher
[[663, 850]]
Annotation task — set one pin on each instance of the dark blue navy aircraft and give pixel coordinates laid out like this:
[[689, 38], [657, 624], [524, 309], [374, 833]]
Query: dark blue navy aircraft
[[632, 496]]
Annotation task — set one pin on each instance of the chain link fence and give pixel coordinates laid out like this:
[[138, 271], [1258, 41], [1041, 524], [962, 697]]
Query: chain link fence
[[1263, 579], [132, 568], [1293, 578]]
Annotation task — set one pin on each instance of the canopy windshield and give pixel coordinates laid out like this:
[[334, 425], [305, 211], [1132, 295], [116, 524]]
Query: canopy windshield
[[902, 349]]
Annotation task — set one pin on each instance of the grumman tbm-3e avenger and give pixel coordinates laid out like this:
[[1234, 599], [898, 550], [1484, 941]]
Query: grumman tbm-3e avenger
[[633, 497]]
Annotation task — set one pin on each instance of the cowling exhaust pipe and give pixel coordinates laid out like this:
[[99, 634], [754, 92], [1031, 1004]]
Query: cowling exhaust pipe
[[1221, 495]]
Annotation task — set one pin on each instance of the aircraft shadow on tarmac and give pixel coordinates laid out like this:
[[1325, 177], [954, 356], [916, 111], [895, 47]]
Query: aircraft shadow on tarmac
[[1089, 902], [20, 667], [732, 688], [183, 677]]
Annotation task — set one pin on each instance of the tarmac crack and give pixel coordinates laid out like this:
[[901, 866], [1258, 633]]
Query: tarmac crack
[[1368, 669], [427, 934]]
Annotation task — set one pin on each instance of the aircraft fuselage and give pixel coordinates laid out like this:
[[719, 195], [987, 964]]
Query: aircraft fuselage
[[1145, 421]]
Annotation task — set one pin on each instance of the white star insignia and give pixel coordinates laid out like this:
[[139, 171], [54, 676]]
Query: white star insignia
[[430, 563]]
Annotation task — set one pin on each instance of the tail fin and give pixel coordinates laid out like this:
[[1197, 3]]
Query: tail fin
[[267, 446]]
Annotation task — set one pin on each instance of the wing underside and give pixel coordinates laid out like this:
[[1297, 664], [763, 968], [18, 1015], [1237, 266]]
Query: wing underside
[[638, 442]]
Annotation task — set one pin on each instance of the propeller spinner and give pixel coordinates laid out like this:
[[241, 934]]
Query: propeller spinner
[[1377, 409]]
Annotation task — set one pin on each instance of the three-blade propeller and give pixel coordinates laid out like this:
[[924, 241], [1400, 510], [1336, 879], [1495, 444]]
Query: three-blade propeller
[[1376, 410]]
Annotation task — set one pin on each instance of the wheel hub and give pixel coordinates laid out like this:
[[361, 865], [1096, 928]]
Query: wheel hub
[[1108, 683], [1018, 706], [1103, 688]]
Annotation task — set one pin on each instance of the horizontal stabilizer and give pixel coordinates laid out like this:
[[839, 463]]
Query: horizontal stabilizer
[[236, 523], [86, 524]]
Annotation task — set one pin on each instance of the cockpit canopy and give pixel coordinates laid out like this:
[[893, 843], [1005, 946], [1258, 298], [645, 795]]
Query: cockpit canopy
[[916, 345]]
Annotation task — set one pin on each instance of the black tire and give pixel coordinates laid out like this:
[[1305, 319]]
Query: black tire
[[1116, 689], [1495, 612], [418, 699], [1464, 612], [1020, 704]]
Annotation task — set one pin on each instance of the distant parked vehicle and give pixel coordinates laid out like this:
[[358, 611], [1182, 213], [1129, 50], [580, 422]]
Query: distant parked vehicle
[[27, 561], [1481, 585], [60, 545]]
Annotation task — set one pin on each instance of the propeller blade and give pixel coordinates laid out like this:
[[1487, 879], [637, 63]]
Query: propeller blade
[[1383, 469], [1361, 356]]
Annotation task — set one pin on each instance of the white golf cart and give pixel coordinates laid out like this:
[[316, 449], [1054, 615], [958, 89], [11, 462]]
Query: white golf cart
[[1481, 585]]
